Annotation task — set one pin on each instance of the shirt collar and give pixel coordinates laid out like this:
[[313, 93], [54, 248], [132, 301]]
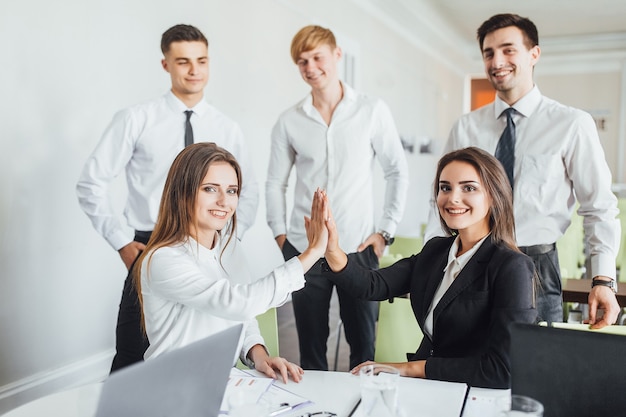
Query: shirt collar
[[524, 106], [202, 251], [462, 260], [348, 95], [179, 107]]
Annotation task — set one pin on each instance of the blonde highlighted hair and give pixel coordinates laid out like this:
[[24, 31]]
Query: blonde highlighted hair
[[309, 38]]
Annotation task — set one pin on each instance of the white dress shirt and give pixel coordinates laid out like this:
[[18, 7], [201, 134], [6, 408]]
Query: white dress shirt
[[143, 140], [558, 160], [190, 292], [451, 271], [339, 158]]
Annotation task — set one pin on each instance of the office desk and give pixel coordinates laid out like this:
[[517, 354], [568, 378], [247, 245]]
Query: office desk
[[330, 391], [77, 402], [339, 392], [577, 291]]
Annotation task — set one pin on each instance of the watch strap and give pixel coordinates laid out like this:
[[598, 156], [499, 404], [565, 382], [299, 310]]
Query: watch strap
[[386, 236], [604, 283]]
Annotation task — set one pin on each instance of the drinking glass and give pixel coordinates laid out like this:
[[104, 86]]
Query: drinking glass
[[520, 406], [379, 390]]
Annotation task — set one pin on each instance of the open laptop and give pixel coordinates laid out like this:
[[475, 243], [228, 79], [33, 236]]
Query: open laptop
[[572, 373], [186, 382]]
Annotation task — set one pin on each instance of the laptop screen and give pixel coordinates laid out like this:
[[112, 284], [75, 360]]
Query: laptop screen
[[186, 382]]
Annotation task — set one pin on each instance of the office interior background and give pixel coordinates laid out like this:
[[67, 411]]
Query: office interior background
[[67, 66]]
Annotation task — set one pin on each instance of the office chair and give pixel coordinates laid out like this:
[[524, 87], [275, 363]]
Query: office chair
[[398, 332], [268, 325]]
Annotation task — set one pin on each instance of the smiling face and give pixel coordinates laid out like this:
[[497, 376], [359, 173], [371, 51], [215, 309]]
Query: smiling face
[[216, 202], [509, 63], [318, 67], [188, 66], [462, 200]]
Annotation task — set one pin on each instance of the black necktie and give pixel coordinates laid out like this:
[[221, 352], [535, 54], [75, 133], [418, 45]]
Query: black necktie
[[505, 152], [188, 129]]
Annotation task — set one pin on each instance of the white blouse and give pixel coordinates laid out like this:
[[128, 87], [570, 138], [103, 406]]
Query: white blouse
[[451, 271], [191, 292]]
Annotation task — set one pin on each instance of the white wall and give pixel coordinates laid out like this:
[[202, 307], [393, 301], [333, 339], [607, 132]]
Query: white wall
[[598, 93], [67, 66]]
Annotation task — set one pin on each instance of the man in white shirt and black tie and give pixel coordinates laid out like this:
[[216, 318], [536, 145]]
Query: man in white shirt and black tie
[[142, 141], [557, 159]]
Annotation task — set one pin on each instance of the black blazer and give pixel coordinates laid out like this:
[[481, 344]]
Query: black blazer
[[471, 337]]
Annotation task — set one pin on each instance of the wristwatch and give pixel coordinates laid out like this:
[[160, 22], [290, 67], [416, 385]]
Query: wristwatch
[[386, 236], [611, 284]]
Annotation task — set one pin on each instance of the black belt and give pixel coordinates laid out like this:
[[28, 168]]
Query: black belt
[[537, 249], [142, 236]]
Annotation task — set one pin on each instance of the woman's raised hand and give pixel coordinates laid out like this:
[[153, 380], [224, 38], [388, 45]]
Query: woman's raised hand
[[316, 231], [336, 258]]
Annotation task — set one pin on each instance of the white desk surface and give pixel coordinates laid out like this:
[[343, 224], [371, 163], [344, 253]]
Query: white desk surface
[[77, 402], [329, 391]]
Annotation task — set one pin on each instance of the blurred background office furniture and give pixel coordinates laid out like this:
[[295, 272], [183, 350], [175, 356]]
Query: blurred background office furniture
[[268, 325], [397, 332]]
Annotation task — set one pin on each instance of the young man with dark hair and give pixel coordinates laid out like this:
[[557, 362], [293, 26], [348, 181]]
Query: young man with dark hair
[[553, 156], [142, 141]]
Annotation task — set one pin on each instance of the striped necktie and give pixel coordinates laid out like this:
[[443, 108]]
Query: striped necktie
[[505, 152]]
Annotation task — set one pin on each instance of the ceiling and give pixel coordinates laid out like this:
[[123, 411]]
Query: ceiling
[[554, 18], [572, 33]]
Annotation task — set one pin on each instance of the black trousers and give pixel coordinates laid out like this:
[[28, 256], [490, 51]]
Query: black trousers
[[311, 305], [130, 341], [549, 292]]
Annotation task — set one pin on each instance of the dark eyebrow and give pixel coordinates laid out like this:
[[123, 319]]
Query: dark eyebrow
[[184, 58], [460, 182], [503, 45], [219, 185]]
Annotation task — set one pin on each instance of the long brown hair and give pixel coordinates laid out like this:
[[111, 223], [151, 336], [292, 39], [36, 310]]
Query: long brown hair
[[176, 217], [496, 183]]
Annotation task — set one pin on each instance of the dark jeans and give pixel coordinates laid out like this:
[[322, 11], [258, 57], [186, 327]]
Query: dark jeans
[[130, 340], [311, 305], [549, 292]]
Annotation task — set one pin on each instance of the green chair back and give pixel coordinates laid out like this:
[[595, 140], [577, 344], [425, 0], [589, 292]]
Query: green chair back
[[571, 248], [268, 326], [388, 260], [406, 246], [398, 332]]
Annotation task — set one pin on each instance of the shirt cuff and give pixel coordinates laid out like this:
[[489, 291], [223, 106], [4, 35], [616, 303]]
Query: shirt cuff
[[603, 265], [388, 226], [118, 240], [289, 277], [248, 344]]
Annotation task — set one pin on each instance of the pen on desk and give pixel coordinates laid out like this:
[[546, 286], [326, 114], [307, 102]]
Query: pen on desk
[[284, 407], [354, 408]]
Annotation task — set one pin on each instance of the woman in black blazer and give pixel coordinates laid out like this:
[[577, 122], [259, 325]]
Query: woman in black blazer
[[465, 289]]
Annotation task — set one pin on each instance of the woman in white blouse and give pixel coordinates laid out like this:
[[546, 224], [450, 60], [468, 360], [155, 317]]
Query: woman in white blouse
[[190, 277]]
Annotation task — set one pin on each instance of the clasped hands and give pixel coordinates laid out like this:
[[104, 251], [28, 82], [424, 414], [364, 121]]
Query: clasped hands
[[321, 232]]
